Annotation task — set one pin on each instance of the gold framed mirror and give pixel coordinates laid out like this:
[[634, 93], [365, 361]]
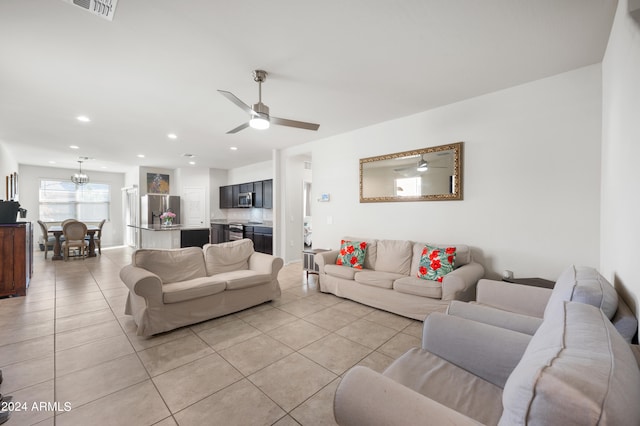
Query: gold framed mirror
[[427, 174]]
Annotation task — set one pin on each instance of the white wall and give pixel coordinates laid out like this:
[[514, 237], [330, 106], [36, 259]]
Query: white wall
[[620, 224], [251, 173], [8, 165], [531, 177], [29, 188]]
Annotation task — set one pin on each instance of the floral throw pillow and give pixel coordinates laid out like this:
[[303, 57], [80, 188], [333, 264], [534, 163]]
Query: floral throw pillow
[[436, 262], [352, 253]]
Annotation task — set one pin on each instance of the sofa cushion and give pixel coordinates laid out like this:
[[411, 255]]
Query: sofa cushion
[[436, 262], [463, 255], [352, 253], [192, 289], [243, 279], [419, 287], [448, 384], [172, 265], [341, 271], [584, 285], [394, 256], [377, 278], [372, 251], [577, 370], [225, 257]]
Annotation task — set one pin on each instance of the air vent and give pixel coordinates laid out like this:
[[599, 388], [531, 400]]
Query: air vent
[[103, 8], [186, 154]]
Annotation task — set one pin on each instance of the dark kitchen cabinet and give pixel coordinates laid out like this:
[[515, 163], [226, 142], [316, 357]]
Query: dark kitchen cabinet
[[16, 258], [226, 197], [257, 194], [235, 194], [262, 237], [194, 237], [219, 233], [267, 194], [262, 194], [246, 187]]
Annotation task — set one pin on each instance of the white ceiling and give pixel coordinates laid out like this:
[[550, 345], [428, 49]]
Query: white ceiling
[[155, 69]]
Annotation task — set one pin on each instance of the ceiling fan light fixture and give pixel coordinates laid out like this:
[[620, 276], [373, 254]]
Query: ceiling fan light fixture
[[260, 122], [422, 166]]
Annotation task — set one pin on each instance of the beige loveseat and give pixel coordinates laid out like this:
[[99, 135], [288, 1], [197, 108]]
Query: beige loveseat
[[389, 279], [172, 288], [575, 370], [522, 308]]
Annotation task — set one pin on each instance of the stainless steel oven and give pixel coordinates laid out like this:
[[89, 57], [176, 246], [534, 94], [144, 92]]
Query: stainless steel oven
[[236, 231]]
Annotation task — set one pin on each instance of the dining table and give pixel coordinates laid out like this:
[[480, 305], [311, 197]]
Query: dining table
[[56, 230]]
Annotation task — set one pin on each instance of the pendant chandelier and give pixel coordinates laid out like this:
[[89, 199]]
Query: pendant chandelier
[[80, 178]]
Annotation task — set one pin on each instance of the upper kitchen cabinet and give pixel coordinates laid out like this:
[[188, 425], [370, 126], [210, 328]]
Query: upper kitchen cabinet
[[246, 187], [226, 197], [257, 197], [262, 194], [267, 194]]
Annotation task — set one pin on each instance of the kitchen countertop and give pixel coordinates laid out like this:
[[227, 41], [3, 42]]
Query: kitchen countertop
[[266, 223], [157, 227]]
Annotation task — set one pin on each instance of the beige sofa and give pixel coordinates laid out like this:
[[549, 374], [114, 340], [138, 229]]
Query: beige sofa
[[522, 308], [575, 370], [172, 288], [389, 279]]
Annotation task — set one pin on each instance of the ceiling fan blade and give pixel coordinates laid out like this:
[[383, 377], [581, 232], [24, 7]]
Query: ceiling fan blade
[[237, 129], [233, 98], [294, 123]]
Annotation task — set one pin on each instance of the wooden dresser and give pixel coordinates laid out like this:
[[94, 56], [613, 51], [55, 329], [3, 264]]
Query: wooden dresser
[[16, 258]]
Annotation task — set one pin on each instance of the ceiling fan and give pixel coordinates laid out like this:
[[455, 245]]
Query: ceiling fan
[[259, 114], [421, 166]]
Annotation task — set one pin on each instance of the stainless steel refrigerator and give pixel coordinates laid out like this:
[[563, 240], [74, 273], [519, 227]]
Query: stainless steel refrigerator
[[153, 205]]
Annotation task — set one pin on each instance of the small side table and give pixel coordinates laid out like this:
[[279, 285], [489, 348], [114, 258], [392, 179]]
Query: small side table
[[534, 282], [308, 261]]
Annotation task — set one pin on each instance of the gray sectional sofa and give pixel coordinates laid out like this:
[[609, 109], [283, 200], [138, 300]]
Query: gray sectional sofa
[[575, 370], [172, 288], [389, 279], [522, 308]]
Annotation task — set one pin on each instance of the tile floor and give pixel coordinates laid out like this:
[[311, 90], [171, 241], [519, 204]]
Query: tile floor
[[69, 342]]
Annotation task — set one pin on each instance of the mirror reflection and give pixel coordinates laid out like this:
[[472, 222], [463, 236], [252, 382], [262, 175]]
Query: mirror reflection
[[426, 174]]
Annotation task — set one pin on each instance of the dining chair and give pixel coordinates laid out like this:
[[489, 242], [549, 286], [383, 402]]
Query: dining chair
[[64, 222], [47, 240], [74, 234], [98, 236]]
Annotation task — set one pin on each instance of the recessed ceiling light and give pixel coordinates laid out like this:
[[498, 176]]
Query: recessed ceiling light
[[172, 136], [140, 155], [233, 148], [74, 147], [83, 118], [52, 162], [103, 167], [192, 162]]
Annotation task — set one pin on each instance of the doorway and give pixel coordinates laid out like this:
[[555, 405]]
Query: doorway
[[131, 216]]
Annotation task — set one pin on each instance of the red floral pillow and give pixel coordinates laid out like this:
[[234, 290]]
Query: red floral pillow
[[352, 253], [436, 262]]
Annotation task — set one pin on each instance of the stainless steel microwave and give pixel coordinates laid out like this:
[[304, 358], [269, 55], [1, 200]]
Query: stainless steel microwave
[[245, 199]]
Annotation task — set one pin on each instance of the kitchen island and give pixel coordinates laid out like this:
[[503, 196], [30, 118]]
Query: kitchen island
[[172, 236]]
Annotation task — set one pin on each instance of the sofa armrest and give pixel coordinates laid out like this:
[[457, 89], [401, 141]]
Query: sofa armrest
[[265, 264], [326, 258], [518, 298], [497, 317], [142, 283], [365, 397], [488, 352], [460, 283]]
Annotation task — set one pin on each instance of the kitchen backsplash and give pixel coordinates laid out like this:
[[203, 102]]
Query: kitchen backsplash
[[253, 215]]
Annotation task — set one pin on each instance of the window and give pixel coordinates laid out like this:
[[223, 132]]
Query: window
[[60, 200]]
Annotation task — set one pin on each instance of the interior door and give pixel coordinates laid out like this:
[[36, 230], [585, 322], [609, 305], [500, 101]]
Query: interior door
[[131, 216], [193, 206]]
